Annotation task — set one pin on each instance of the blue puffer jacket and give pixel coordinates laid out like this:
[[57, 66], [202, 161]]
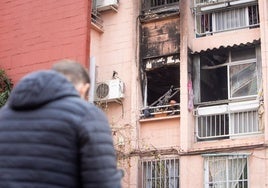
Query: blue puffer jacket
[[50, 138]]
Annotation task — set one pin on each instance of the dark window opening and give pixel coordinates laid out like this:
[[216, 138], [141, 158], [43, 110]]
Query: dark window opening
[[162, 96], [213, 82], [228, 74], [160, 81]]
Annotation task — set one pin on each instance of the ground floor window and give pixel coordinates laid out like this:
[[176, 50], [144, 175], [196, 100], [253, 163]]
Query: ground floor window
[[226, 171], [160, 173]]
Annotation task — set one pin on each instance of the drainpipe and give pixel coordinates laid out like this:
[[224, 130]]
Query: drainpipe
[[92, 75]]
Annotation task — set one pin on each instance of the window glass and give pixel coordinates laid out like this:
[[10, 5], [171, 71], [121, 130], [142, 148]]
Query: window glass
[[234, 18], [243, 80], [243, 54], [226, 171]]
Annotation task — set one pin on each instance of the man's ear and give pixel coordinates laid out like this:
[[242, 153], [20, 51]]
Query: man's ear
[[83, 91]]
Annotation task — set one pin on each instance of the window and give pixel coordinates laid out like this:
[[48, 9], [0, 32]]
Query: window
[[160, 173], [226, 86], [225, 121], [226, 170], [228, 74], [148, 4], [161, 86], [161, 92], [211, 20]]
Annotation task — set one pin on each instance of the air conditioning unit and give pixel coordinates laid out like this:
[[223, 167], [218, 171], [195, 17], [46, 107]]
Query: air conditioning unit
[[108, 91], [103, 5]]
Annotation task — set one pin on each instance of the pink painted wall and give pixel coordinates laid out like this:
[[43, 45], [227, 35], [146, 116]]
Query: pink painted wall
[[115, 49], [36, 33], [225, 39], [159, 133]]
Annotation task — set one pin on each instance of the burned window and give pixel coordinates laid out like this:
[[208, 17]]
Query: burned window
[[159, 65], [228, 74], [161, 86]]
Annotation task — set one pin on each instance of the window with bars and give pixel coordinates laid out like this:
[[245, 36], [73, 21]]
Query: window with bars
[[226, 171], [160, 173], [225, 121], [149, 4], [215, 21], [226, 86]]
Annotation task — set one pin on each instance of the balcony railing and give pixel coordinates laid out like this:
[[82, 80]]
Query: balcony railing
[[153, 4], [215, 21], [231, 2], [160, 111], [225, 121]]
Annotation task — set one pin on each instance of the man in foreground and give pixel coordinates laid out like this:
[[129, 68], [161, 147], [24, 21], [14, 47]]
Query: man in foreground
[[51, 138]]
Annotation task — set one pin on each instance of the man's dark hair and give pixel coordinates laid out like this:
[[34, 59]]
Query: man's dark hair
[[73, 70]]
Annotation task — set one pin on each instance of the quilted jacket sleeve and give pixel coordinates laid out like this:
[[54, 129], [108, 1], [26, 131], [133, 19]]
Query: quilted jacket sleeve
[[97, 155]]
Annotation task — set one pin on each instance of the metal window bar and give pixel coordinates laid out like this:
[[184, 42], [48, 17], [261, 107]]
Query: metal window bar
[[169, 110], [209, 23], [227, 124], [160, 173], [158, 3], [209, 2]]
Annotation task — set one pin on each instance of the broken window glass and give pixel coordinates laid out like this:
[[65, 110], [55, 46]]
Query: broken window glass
[[243, 80], [227, 74]]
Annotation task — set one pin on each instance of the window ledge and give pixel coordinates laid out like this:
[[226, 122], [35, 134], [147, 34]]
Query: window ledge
[[159, 118]]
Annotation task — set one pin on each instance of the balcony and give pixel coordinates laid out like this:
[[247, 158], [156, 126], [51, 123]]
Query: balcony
[[227, 121], [215, 16], [158, 4]]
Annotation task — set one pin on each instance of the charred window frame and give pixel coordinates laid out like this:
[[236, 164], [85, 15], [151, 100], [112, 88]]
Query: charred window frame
[[160, 65], [227, 74], [161, 85]]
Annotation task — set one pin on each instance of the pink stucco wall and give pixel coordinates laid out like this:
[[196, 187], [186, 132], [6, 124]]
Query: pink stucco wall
[[115, 49]]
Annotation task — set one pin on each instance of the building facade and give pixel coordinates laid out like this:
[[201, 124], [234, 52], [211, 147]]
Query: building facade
[[183, 83], [184, 86]]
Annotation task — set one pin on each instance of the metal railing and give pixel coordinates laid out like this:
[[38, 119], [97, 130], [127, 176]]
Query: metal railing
[[227, 124], [161, 173], [209, 2], [152, 4], [215, 21], [160, 111]]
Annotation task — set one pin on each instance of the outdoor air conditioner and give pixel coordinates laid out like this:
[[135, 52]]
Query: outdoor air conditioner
[[103, 5], [108, 91]]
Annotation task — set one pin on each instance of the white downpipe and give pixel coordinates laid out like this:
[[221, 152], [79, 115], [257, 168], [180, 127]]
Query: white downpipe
[[92, 75]]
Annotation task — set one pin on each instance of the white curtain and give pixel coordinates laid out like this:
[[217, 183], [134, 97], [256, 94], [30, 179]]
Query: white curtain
[[225, 172], [234, 18], [236, 169], [173, 168], [217, 172]]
